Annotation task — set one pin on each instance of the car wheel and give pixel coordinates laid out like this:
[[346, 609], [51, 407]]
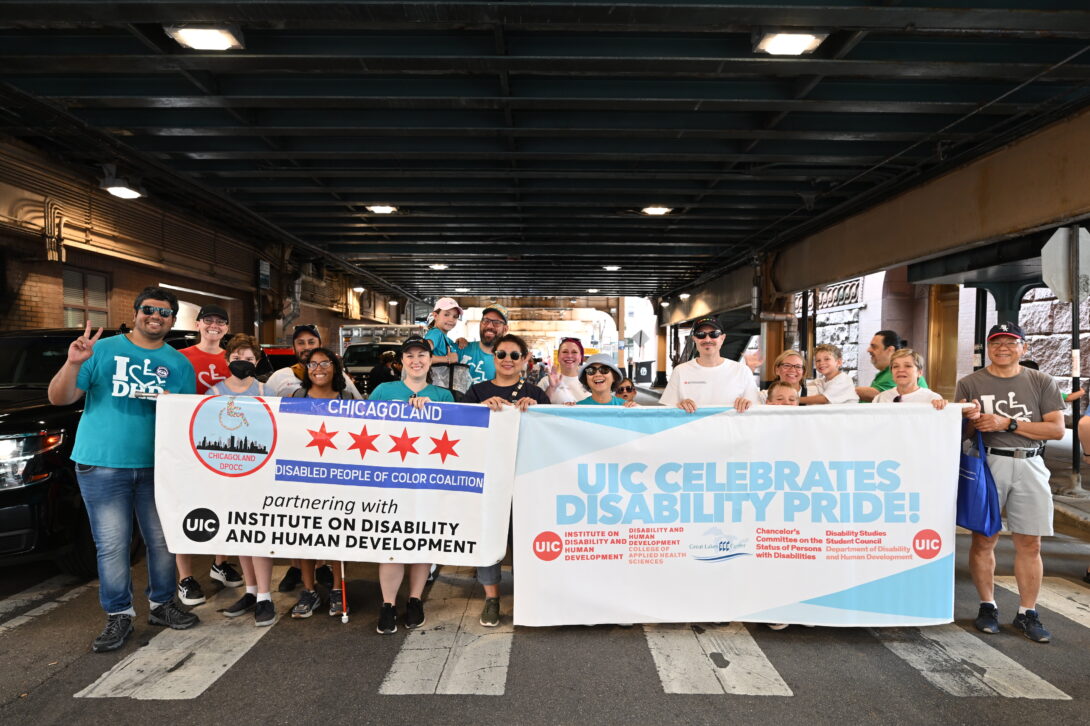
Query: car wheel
[[80, 560]]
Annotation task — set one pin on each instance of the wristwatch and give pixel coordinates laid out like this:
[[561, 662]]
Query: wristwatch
[[1012, 426]]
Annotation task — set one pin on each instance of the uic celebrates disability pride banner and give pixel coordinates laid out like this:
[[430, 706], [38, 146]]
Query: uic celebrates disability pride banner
[[824, 515], [373, 481]]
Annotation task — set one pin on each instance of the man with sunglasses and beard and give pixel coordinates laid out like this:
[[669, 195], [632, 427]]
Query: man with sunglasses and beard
[[709, 379], [115, 456], [478, 354]]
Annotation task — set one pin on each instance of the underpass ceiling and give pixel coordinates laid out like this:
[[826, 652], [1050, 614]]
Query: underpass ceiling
[[520, 140]]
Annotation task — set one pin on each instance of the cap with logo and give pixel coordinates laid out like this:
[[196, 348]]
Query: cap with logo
[[713, 322], [415, 341], [499, 310], [210, 311], [448, 303], [1011, 329]]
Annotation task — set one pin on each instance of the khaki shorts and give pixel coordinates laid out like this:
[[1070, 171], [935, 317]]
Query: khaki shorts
[[1024, 493]]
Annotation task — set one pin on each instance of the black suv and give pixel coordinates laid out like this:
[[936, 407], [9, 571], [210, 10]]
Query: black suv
[[41, 511]]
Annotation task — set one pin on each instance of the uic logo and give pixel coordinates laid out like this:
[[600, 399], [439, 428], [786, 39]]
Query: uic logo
[[927, 543], [201, 525], [548, 546]]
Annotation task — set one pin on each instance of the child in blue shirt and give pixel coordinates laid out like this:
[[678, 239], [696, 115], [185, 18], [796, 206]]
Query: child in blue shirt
[[443, 319]]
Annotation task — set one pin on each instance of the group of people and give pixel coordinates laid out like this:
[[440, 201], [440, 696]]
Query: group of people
[[1015, 408]]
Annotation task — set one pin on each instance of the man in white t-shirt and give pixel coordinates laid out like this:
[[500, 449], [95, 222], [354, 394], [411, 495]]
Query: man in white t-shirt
[[709, 379]]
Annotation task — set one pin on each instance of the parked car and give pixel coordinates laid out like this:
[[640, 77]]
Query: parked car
[[273, 358], [42, 515], [360, 358]]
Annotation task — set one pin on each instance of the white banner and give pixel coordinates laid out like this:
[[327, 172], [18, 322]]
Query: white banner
[[823, 515], [371, 481]]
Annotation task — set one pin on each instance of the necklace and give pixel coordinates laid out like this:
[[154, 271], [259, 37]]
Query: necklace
[[515, 391]]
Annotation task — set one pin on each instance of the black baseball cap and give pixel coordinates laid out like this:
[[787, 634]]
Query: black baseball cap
[[210, 310], [712, 321], [1011, 329], [414, 341], [307, 328]]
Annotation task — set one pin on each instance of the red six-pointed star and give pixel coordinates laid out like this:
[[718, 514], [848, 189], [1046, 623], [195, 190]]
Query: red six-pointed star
[[404, 444], [444, 446], [322, 439], [363, 442]]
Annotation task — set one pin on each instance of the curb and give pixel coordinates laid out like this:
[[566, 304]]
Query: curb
[[1072, 516]]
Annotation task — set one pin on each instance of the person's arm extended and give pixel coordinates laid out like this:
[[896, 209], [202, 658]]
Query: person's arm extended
[[1051, 429], [811, 400], [866, 393]]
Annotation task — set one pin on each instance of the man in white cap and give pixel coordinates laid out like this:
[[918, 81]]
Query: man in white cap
[[709, 379]]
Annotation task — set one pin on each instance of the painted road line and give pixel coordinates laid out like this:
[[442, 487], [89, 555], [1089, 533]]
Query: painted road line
[[1060, 596], [961, 664], [182, 664], [35, 594], [46, 607], [453, 654], [712, 659]]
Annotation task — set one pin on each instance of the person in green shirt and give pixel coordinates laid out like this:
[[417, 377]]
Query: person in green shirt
[[881, 349]]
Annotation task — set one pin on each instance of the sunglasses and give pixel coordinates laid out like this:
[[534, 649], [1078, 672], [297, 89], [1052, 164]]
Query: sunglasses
[[501, 354], [152, 309], [595, 370], [713, 334], [625, 389], [315, 364]]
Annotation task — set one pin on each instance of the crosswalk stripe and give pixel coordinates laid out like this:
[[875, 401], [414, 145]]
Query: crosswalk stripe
[[182, 664], [452, 653], [30, 615], [35, 593], [1060, 596], [712, 659], [960, 664]]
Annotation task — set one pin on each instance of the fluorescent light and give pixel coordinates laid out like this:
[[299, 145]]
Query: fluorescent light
[[592, 290], [611, 268], [790, 43], [664, 304], [438, 266], [684, 296], [118, 186], [123, 192], [461, 289], [392, 302], [381, 209], [206, 37], [359, 289], [656, 211]]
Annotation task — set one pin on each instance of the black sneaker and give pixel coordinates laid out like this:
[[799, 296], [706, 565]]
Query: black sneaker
[[336, 603], [190, 592], [309, 600], [112, 637], [1086, 577], [293, 578], [387, 619], [226, 574], [490, 615], [242, 606], [987, 620], [414, 613], [324, 576], [172, 616], [1030, 626], [265, 613]]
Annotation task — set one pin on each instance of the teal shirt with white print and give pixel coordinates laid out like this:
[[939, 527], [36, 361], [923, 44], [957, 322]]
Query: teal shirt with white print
[[482, 366], [117, 429]]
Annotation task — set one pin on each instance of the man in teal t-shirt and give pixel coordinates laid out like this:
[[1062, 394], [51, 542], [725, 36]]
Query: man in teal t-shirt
[[115, 455], [882, 347], [478, 354]]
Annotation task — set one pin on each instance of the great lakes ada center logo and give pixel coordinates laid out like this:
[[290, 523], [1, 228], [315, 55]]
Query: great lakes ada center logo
[[718, 546], [233, 435]]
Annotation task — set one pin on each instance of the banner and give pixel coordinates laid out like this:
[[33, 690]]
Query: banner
[[371, 481], [823, 515]]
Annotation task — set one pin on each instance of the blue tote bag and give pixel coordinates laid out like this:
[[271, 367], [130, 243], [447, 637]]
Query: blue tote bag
[[978, 500]]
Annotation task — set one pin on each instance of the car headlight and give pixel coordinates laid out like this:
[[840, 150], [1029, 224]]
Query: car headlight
[[17, 451]]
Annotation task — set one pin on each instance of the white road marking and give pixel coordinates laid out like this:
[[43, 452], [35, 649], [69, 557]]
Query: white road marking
[[182, 664], [712, 659], [44, 608], [1060, 596], [961, 664], [453, 653], [35, 593]]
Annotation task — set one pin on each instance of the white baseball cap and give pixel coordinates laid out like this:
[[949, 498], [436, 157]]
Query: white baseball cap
[[448, 303]]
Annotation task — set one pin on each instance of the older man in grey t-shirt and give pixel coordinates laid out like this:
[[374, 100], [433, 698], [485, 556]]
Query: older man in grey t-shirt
[[1019, 409]]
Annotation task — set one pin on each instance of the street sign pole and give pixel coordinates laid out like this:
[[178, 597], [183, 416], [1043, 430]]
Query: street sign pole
[[1076, 354]]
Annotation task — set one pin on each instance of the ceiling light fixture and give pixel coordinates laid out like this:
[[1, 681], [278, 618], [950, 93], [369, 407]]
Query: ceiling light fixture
[[359, 289], [611, 268], [461, 289], [118, 186], [665, 303], [656, 211], [592, 290], [684, 296], [777, 43], [438, 266], [381, 209], [392, 302], [206, 37]]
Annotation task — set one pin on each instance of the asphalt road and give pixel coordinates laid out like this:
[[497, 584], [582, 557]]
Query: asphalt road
[[453, 671]]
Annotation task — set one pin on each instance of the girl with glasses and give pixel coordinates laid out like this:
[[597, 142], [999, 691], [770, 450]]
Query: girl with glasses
[[601, 376], [563, 386]]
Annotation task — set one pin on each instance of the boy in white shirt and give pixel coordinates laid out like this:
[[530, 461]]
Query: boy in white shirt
[[709, 379], [831, 385], [906, 366]]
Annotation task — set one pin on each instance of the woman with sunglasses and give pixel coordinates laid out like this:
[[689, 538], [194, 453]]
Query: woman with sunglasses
[[601, 376], [324, 378], [789, 367], [416, 358], [709, 379], [563, 386], [509, 387], [626, 389]]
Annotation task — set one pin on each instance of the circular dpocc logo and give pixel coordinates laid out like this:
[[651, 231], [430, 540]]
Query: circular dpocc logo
[[201, 525], [548, 546], [927, 543], [233, 435]]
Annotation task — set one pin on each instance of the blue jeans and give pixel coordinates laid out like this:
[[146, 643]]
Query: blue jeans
[[112, 496]]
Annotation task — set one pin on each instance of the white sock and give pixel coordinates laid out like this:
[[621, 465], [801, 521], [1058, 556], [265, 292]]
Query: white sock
[[989, 602], [251, 589], [263, 596], [1022, 610]]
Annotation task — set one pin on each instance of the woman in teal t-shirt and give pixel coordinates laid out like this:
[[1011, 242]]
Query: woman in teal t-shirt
[[414, 388], [601, 376]]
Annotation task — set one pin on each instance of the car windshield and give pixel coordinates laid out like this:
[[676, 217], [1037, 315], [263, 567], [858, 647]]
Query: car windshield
[[31, 362], [367, 354]]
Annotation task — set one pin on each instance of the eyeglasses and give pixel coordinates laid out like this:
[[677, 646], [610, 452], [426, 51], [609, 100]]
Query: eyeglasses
[[491, 323], [595, 370], [1005, 343], [310, 328], [501, 354], [213, 321], [315, 364], [791, 366], [625, 389], [713, 334], [152, 309]]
